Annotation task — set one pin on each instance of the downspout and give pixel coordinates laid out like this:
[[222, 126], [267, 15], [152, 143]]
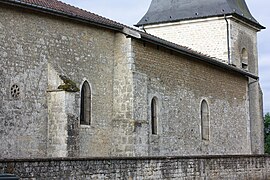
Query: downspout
[[228, 40], [143, 29]]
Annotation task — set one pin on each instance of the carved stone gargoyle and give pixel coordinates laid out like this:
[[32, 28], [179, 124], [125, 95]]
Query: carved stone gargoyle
[[68, 85]]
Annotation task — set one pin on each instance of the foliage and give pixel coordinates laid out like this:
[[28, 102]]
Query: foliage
[[267, 133]]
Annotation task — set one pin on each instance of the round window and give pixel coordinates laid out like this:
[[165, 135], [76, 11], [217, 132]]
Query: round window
[[15, 91]]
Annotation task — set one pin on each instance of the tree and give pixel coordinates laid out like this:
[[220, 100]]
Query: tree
[[267, 133]]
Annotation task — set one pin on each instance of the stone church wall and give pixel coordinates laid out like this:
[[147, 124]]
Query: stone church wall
[[23, 80], [211, 167], [85, 53], [244, 36], [124, 75], [35, 49], [180, 84]]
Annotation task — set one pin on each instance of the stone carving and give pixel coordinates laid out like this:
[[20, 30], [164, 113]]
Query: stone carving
[[68, 85]]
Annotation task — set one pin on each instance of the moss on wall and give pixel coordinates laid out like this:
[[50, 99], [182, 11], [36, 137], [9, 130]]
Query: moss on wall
[[69, 85]]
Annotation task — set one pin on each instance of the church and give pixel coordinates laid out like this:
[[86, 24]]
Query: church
[[75, 84]]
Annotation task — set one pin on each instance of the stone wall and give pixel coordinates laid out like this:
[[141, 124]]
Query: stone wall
[[34, 50], [37, 120], [208, 35], [212, 167], [62, 125], [180, 84], [244, 36], [23, 80], [122, 126]]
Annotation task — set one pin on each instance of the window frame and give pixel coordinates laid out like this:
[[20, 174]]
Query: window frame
[[205, 120], [244, 59], [86, 98], [154, 115]]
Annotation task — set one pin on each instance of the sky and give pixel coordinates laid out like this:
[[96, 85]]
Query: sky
[[129, 12]]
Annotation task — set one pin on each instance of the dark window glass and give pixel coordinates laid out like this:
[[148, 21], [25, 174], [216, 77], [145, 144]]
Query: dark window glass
[[85, 116]]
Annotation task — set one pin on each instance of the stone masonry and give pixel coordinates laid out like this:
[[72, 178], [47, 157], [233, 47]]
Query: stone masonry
[[179, 168], [180, 84], [125, 72], [209, 36]]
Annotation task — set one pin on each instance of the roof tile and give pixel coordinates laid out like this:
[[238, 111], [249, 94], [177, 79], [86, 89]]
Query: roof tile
[[67, 9]]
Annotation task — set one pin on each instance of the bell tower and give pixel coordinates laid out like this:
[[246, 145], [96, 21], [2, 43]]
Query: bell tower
[[222, 29]]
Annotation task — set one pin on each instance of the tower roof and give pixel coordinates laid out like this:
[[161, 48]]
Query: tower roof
[[161, 11]]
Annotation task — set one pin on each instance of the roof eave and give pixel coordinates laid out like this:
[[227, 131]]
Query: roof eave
[[252, 23], [257, 25]]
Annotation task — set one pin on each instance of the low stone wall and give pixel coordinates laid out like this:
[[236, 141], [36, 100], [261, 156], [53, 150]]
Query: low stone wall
[[203, 167]]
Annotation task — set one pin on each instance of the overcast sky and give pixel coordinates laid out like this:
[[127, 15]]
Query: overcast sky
[[129, 12]]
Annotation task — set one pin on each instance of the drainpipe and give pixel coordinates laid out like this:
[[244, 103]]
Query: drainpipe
[[228, 40], [143, 28]]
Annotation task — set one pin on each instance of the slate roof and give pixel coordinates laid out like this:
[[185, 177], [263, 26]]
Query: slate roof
[[58, 8], [161, 11]]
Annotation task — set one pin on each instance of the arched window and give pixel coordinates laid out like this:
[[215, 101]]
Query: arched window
[[154, 115], [85, 116], [244, 59], [205, 122]]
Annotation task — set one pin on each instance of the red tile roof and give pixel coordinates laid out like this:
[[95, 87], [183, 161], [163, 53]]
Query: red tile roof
[[61, 7]]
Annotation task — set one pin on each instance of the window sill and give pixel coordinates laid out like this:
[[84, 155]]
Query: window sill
[[84, 126]]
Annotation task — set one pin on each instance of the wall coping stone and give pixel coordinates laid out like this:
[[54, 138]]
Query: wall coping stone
[[132, 158]]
